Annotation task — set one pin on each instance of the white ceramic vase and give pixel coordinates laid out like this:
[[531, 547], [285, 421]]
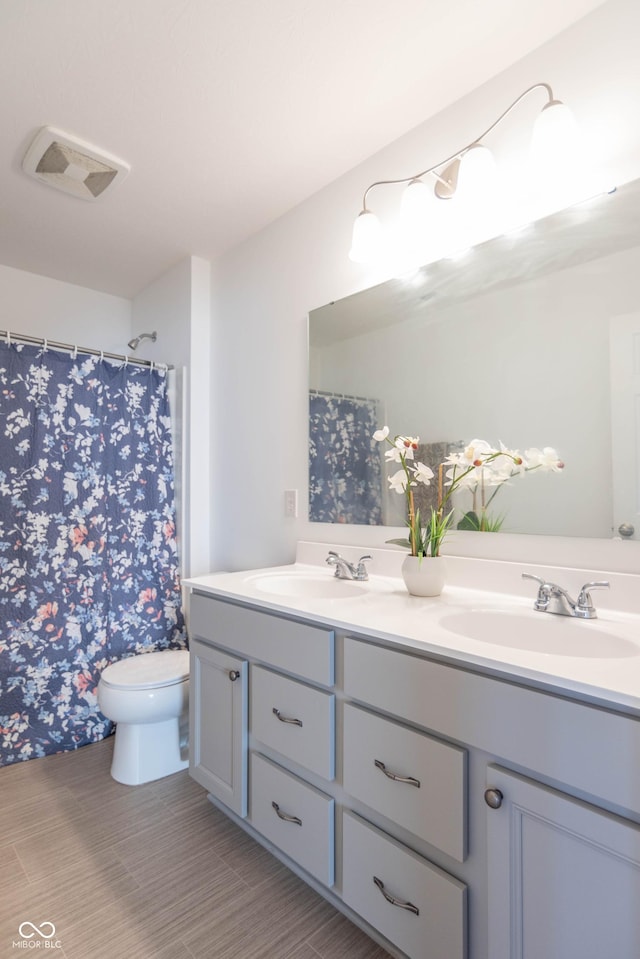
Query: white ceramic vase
[[424, 575]]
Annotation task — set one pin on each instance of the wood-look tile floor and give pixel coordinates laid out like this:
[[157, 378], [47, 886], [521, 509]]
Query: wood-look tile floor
[[148, 872]]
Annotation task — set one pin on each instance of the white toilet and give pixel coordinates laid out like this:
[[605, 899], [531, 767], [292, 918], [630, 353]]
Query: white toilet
[[147, 696]]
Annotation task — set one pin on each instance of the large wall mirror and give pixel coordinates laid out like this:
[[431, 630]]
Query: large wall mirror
[[531, 339]]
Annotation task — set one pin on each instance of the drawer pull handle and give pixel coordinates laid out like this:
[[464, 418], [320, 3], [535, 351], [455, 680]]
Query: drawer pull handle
[[398, 779], [285, 719], [234, 674], [283, 815], [395, 902]]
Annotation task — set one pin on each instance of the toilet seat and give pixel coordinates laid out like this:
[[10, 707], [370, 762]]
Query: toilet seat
[[165, 667]]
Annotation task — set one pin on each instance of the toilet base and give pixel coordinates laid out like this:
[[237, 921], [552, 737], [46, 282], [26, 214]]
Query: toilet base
[[143, 752]]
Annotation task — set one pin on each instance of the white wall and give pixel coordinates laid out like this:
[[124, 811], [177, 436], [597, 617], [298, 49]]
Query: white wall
[[38, 306], [177, 307], [265, 287]]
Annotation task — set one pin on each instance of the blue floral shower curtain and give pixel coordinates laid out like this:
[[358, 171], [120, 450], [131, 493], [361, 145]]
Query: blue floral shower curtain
[[345, 471], [88, 556]]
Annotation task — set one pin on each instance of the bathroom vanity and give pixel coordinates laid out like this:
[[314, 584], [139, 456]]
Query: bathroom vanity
[[457, 797]]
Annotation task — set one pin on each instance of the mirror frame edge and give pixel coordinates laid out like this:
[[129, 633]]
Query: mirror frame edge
[[613, 555]]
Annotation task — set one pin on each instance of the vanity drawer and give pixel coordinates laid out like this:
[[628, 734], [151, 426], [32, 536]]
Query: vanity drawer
[[434, 926], [307, 835], [294, 719], [432, 804], [299, 648], [591, 745]]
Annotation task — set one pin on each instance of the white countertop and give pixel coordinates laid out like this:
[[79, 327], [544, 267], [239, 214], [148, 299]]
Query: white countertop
[[604, 669]]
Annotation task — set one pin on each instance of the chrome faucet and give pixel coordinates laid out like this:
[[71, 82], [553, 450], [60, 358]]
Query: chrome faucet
[[346, 570], [552, 598]]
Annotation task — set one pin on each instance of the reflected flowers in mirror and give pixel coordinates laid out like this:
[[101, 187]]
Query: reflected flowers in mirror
[[479, 469], [483, 470]]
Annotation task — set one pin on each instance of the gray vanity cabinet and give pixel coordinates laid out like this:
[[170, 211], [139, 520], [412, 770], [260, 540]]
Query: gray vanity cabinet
[[564, 876], [218, 704], [452, 814]]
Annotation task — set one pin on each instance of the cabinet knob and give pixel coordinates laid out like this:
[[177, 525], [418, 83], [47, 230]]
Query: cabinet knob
[[234, 674], [493, 798], [626, 530]]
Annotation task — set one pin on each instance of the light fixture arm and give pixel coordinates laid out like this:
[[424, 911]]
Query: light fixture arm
[[454, 156]]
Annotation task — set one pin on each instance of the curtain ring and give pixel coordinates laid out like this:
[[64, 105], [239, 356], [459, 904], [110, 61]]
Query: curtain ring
[[45, 345], [102, 356], [8, 338], [126, 361], [152, 367], [74, 355]]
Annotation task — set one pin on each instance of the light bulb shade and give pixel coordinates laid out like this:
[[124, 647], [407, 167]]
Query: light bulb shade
[[478, 176], [416, 201], [555, 134], [416, 219], [366, 242], [560, 168]]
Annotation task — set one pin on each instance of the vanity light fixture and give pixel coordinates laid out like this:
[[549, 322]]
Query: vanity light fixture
[[469, 172]]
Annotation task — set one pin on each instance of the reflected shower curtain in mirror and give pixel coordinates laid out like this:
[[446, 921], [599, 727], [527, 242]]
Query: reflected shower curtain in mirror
[[345, 470], [88, 555]]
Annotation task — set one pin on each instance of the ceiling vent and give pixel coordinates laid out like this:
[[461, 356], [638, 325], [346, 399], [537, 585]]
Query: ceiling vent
[[72, 165]]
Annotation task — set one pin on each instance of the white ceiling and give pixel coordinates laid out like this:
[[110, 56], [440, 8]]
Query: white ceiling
[[230, 112]]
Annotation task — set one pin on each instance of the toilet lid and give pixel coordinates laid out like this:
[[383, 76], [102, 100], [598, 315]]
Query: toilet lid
[[148, 670]]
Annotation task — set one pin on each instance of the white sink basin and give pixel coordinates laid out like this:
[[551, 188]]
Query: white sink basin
[[541, 633], [306, 585]]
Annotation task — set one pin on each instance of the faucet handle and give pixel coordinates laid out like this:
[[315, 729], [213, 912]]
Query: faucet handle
[[538, 579], [544, 590], [361, 570], [584, 599]]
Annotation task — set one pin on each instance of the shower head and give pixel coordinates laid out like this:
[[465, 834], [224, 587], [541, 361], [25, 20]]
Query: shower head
[[135, 342]]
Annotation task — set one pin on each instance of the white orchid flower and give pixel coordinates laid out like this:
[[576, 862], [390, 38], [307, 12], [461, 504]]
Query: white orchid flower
[[398, 482], [511, 460], [407, 445], [544, 459], [469, 480], [393, 455], [422, 474], [473, 455], [496, 475], [381, 435], [476, 451]]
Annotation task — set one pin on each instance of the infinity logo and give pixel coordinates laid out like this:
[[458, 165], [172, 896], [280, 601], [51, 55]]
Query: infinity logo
[[37, 931]]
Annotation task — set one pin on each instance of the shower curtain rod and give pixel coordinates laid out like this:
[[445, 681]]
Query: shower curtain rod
[[72, 348], [343, 396]]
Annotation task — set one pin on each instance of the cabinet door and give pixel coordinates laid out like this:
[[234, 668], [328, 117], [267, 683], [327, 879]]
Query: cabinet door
[[564, 876], [218, 725]]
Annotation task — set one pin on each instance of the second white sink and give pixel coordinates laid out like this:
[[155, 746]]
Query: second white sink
[[540, 632]]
